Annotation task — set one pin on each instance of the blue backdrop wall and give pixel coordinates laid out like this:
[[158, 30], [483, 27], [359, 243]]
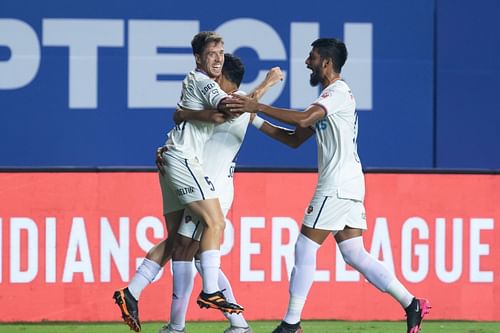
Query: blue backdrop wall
[[468, 79], [95, 83]]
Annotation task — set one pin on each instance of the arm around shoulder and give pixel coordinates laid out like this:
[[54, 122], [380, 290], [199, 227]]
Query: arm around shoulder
[[209, 116]]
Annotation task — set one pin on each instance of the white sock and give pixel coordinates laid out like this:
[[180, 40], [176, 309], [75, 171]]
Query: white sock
[[302, 277], [210, 265], [144, 275], [236, 320], [400, 293], [183, 278], [375, 271], [295, 306]]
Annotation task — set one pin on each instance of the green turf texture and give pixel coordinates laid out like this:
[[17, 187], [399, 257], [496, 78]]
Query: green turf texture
[[261, 327]]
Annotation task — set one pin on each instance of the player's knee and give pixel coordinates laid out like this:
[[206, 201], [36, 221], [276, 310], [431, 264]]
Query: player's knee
[[216, 224], [223, 224], [219, 226], [352, 256]]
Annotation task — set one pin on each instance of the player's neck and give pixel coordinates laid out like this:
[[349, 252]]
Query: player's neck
[[198, 69], [329, 79]]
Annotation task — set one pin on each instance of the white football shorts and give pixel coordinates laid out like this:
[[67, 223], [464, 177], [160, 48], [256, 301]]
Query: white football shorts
[[184, 182], [333, 213], [191, 226]]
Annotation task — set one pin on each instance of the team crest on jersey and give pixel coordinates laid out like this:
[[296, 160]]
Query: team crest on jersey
[[310, 209]]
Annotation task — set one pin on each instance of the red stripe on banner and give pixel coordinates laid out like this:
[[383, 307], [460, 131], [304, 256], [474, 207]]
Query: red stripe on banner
[[68, 240]]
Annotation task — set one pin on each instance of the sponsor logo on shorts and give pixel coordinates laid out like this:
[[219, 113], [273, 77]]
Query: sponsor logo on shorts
[[363, 216], [310, 209], [184, 190]]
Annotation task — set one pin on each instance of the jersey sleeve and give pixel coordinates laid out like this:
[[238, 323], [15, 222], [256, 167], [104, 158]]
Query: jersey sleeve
[[332, 100], [211, 92], [240, 92]]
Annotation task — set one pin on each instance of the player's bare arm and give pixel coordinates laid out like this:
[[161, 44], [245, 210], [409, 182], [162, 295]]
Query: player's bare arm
[[209, 116], [224, 110], [292, 138], [303, 119]]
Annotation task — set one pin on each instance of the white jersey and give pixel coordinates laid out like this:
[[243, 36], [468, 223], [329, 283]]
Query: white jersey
[[219, 155], [199, 92], [339, 167]]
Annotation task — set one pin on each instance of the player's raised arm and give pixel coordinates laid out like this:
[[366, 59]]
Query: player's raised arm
[[273, 76]]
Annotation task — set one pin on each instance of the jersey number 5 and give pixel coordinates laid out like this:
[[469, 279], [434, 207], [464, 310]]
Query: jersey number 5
[[209, 182]]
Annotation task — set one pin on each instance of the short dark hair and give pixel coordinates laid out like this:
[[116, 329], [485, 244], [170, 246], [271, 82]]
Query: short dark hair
[[333, 49], [201, 39], [233, 69]]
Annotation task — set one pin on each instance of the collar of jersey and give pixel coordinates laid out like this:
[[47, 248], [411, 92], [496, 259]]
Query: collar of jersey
[[202, 72]]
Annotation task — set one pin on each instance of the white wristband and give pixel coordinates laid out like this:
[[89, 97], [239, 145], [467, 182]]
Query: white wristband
[[258, 121]]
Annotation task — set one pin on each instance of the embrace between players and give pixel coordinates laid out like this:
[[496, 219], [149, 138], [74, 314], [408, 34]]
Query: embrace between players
[[211, 120]]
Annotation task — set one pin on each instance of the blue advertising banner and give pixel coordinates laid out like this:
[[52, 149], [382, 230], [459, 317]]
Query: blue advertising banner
[[92, 83]]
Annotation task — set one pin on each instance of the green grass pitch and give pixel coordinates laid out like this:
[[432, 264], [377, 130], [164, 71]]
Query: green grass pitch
[[260, 327]]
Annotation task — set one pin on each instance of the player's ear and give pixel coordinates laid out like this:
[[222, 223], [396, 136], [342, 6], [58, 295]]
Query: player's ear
[[197, 58], [326, 62]]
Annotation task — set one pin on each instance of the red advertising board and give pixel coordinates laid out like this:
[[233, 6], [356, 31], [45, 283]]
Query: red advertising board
[[67, 240]]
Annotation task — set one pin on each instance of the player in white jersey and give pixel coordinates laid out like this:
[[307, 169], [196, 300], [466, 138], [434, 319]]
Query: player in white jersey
[[225, 142], [337, 205], [188, 185], [219, 155], [219, 163]]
